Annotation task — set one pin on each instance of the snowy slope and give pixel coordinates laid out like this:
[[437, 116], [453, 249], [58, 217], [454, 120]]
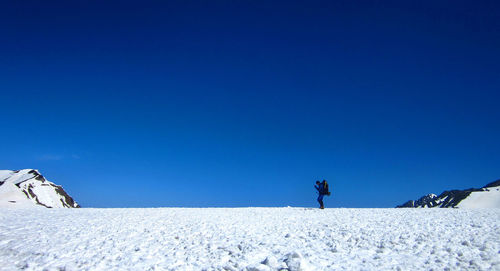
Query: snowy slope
[[250, 239], [485, 197], [28, 188]]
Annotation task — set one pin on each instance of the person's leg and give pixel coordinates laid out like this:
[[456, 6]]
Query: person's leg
[[320, 200]]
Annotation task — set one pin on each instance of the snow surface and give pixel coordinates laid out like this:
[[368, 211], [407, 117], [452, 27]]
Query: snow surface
[[489, 198], [249, 239], [16, 177], [13, 197]]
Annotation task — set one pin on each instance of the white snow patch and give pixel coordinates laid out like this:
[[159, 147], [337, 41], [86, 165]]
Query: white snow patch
[[249, 239], [12, 197], [489, 198]]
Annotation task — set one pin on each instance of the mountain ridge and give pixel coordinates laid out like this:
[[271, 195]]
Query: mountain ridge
[[29, 188], [487, 196]]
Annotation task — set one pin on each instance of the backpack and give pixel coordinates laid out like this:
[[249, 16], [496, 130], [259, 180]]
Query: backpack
[[325, 188]]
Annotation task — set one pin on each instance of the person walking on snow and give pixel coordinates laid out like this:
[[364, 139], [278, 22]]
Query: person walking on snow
[[322, 188]]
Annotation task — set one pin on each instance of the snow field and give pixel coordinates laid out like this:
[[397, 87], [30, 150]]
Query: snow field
[[249, 239]]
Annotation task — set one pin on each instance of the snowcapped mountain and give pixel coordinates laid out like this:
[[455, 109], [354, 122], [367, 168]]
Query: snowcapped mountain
[[485, 197], [28, 188]]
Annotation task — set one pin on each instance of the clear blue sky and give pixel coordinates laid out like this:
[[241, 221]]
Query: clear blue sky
[[247, 103]]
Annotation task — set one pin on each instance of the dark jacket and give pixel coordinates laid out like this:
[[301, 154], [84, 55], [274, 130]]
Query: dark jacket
[[320, 188]]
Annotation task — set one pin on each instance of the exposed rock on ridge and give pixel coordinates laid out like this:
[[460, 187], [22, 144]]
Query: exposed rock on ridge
[[27, 187], [489, 197]]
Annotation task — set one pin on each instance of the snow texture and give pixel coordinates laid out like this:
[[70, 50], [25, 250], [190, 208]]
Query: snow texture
[[27, 188], [249, 239]]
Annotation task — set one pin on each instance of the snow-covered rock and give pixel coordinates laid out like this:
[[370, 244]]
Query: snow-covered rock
[[485, 197], [28, 188], [427, 201]]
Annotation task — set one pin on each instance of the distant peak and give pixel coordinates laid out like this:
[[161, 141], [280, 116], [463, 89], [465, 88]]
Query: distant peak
[[27, 188], [455, 198]]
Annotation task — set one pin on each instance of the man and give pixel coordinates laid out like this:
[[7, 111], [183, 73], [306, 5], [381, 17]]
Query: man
[[322, 192]]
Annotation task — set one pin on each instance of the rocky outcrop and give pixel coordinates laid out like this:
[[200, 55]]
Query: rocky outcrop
[[27, 187], [427, 201], [485, 196]]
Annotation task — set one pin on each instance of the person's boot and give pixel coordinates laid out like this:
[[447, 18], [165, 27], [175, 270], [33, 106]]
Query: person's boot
[[321, 206]]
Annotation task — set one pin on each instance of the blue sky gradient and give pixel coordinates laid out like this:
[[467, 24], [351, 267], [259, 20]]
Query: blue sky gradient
[[247, 103]]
